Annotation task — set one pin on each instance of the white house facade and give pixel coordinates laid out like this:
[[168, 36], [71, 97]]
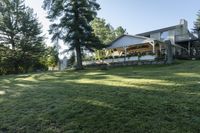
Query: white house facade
[[149, 45]]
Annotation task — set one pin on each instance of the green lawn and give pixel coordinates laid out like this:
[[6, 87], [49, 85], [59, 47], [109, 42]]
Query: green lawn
[[129, 99]]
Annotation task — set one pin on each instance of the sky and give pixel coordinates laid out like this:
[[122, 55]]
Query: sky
[[136, 16]]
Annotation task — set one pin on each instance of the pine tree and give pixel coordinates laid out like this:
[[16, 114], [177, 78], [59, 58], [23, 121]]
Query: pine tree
[[197, 25], [31, 43], [74, 23], [20, 32]]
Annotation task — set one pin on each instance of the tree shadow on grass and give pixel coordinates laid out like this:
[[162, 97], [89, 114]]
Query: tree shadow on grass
[[70, 106], [144, 100]]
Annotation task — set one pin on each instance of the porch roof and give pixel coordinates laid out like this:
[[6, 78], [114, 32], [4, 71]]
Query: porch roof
[[129, 40]]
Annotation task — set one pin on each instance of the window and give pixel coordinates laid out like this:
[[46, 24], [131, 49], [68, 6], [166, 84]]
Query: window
[[164, 36]]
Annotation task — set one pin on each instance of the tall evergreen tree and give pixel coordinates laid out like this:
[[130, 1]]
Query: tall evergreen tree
[[20, 32], [31, 42], [196, 28], [73, 26]]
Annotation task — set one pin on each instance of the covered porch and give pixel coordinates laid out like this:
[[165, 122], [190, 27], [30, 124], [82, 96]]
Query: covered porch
[[132, 48], [128, 48]]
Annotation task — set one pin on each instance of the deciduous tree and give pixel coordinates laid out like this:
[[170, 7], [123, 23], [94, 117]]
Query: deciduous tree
[[119, 31], [105, 32]]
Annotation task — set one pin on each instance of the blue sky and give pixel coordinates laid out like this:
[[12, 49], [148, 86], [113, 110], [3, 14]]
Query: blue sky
[[136, 16], [143, 15]]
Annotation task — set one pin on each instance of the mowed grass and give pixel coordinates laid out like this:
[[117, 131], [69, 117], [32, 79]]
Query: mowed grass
[[142, 99]]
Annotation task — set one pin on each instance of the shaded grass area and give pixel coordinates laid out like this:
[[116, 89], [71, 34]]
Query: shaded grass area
[[163, 98]]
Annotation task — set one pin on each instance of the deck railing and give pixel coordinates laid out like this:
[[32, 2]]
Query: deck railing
[[182, 37], [122, 59]]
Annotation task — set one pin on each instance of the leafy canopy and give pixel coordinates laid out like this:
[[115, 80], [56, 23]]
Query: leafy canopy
[[105, 32]]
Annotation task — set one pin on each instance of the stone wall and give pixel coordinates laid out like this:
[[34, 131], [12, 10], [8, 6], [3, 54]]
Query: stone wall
[[128, 63]]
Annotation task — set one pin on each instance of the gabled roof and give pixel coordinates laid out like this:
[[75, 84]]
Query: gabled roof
[[159, 30], [128, 40]]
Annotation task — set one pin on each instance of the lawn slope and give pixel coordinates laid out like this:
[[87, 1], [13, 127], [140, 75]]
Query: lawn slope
[[163, 98]]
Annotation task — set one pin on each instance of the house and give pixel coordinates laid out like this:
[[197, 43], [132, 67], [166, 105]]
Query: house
[[177, 34], [153, 42], [129, 47], [134, 47], [151, 45]]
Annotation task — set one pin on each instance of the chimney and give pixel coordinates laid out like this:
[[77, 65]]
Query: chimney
[[184, 23]]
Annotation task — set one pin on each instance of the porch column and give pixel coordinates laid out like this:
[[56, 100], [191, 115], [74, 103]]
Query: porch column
[[125, 52], [160, 47], [189, 47], [112, 55], [153, 48]]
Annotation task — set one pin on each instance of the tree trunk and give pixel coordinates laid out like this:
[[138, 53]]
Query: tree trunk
[[16, 68], [79, 65]]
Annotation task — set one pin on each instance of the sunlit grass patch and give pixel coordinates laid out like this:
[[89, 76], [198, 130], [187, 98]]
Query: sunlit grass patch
[[2, 92], [188, 74], [138, 99]]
